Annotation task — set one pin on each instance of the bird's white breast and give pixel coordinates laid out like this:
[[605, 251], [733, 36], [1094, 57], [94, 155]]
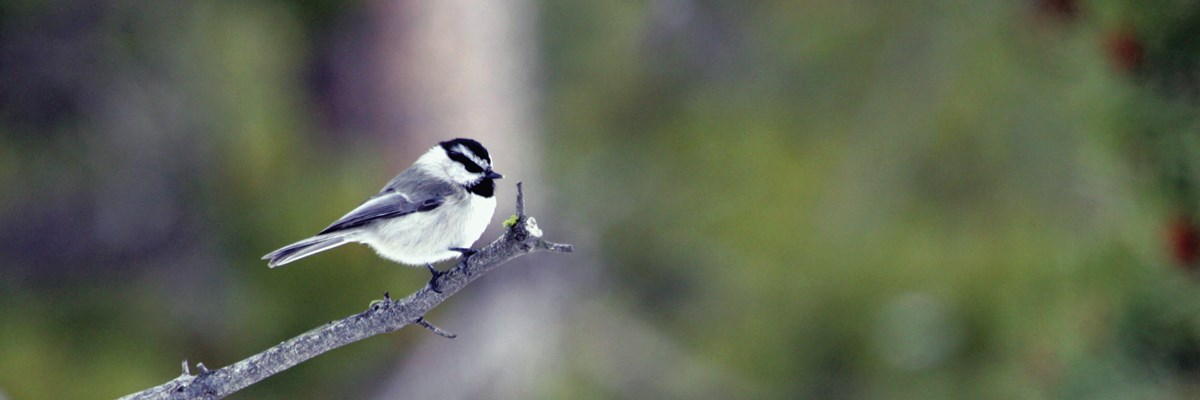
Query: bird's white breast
[[480, 214], [426, 237]]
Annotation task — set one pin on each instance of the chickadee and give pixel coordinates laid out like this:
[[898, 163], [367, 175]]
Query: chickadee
[[430, 212]]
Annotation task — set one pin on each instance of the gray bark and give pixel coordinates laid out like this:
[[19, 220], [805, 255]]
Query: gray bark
[[384, 316]]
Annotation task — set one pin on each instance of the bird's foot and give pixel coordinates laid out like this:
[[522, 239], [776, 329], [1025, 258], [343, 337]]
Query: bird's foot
[[466, 252], [433, 280]]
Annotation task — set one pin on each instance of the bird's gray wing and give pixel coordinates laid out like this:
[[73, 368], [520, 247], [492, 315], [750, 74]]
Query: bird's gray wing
[[384, 205]]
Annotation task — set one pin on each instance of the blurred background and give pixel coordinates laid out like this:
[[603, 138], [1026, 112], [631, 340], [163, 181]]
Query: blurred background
[[795, 199]]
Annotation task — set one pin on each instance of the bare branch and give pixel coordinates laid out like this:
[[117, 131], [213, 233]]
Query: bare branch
[[382, 316]]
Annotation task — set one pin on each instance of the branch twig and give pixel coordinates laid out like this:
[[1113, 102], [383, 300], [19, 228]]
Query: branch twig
[[437, 331], [383, 316]]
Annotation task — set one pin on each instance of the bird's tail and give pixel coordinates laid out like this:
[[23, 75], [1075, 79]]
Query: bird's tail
[[305, 248]]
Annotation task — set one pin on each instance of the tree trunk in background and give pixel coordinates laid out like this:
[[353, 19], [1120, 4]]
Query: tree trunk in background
[[466, 69]]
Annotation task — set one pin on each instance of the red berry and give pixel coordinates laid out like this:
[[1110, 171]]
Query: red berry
[[1124, 50], [1184, 239]]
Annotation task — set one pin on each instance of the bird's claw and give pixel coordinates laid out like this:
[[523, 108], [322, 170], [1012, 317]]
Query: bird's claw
[[466, 252], [433, 280]]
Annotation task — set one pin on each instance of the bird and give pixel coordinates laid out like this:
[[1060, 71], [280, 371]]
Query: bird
[[431, 212]]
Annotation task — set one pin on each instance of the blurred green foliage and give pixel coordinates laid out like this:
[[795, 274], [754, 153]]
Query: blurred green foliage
[[884, 200]]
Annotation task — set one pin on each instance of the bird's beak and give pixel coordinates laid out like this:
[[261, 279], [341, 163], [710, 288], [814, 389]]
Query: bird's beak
[[493, 175]]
